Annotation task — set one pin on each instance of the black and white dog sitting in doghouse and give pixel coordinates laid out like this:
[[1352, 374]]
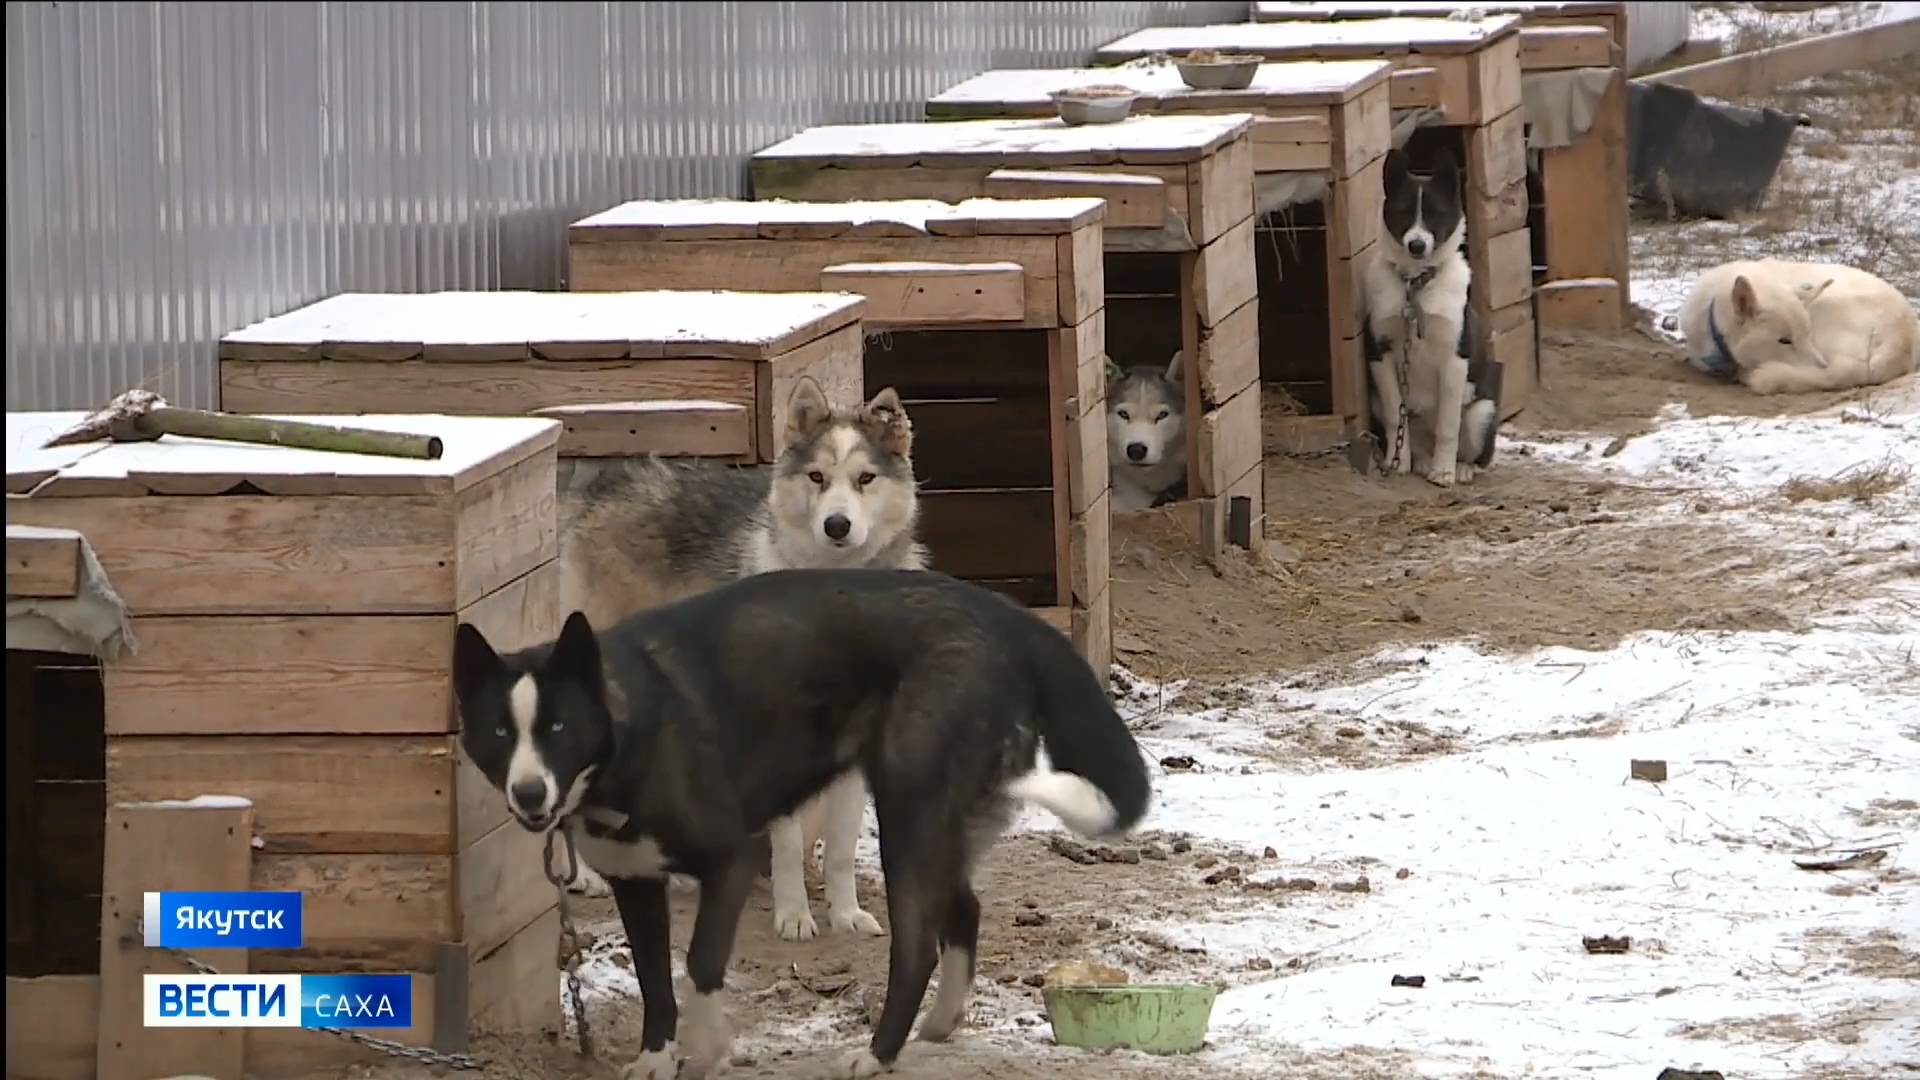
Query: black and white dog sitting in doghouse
[[1435, 392]]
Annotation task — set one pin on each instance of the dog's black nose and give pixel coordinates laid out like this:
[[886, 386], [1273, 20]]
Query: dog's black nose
[[1136, 451], [529, 797], [1416, 247], [838, 526]]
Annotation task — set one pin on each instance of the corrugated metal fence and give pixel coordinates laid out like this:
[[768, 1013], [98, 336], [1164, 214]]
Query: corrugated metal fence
[[177, 170], [1654, 30]]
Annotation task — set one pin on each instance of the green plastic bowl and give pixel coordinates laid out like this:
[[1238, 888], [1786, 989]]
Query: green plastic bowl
[[1152, 1019]]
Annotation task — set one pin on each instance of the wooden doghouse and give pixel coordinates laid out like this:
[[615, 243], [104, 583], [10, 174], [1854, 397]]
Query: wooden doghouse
[[292, 616], [1319, 125], [604, 364], [1179, 252], [1468, 70], [993, 312], [1579, 213]]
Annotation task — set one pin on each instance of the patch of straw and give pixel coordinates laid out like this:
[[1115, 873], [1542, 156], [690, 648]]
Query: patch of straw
[[1858, 483]]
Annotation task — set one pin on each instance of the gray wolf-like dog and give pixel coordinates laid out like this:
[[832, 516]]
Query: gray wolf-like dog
[[636, 534], [1783, 327], [664, 743], [1435, 394], [1146, 434]]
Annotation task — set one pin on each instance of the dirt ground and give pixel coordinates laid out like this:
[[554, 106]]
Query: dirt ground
[[1532, 554], [1526, 556]]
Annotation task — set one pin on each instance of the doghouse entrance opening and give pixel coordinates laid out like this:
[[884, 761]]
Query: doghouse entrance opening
[[1290, 268], [56, 813], [982, 451]]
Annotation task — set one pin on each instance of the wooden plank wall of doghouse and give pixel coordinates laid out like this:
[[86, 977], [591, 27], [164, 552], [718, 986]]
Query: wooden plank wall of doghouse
[[1009, 430], [1499, 242], [1225, 312]]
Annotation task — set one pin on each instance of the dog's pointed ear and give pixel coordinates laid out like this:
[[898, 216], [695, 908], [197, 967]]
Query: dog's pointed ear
[[475, 664], [1746, 303], [807, 410], [1810, 293], [892, 431], [1114, 372], [1396, 167], [576, 655], [1173, 366]]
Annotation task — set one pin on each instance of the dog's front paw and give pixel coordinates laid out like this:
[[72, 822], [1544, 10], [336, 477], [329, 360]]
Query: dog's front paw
[[588, 883], [860, 1066], [795, 925], [854, 920], [1441, 475], [651, 1065], [1464, 472], [706, 1037]]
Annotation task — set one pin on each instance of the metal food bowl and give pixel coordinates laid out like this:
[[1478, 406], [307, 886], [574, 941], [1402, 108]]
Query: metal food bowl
[[1077, 109], [1227, 73]]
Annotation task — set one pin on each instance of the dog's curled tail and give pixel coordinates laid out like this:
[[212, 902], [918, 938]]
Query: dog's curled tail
[[1087, 771]]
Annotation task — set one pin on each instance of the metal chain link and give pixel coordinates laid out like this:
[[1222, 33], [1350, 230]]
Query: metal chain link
[[1415, 329], [425, 1054], [569, 937]]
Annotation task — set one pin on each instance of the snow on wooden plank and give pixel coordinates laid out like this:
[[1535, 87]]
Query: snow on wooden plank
[[1317, 40], [1028, 91], [474, 448], [27, 463], [507, 325], [1138, 139], [1287, 10], [725, 219]]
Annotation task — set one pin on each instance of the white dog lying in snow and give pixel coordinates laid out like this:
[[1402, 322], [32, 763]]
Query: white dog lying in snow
[[1792, 327]]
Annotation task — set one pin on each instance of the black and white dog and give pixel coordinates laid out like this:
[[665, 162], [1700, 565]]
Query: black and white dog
[[666, 742], [1435, 392]]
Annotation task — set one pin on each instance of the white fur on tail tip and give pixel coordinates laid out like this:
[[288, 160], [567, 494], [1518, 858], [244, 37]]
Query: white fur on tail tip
[[1073, 799]]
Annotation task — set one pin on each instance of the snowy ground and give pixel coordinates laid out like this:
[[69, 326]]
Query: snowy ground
[[1489, 810]]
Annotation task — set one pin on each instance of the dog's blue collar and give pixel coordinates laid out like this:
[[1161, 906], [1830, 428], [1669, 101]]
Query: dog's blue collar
[[1720, 360]]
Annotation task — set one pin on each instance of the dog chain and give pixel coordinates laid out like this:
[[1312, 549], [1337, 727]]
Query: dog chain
[[569, 937], [1415, 319], [424, 1054]]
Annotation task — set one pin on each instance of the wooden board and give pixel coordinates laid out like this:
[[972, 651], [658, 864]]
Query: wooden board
[[1354, 39], [1091, 558], [932, 293], [1508, 269], [53, 1028], [1495, 78], [1414, 87], [1029, 92], [1516, 348], [472, 449], [835, 363], [981, 443], [711, 429], [1081, 265], [794, 264], [1552, 48], [1497, 154], [1229, 358], [1580, 304], [1230, 441], [990, 534], [1289, 10], [1092, 631], [1224, 275], [999, 143], [1133, 202], [157, 848], [42, 562], [1584, 188], [327, 386], [355, 554], [1290, 144], [1220, 192], [390, 794], [1754, 74], [1363, 130], [679, 220], [496, 326]]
